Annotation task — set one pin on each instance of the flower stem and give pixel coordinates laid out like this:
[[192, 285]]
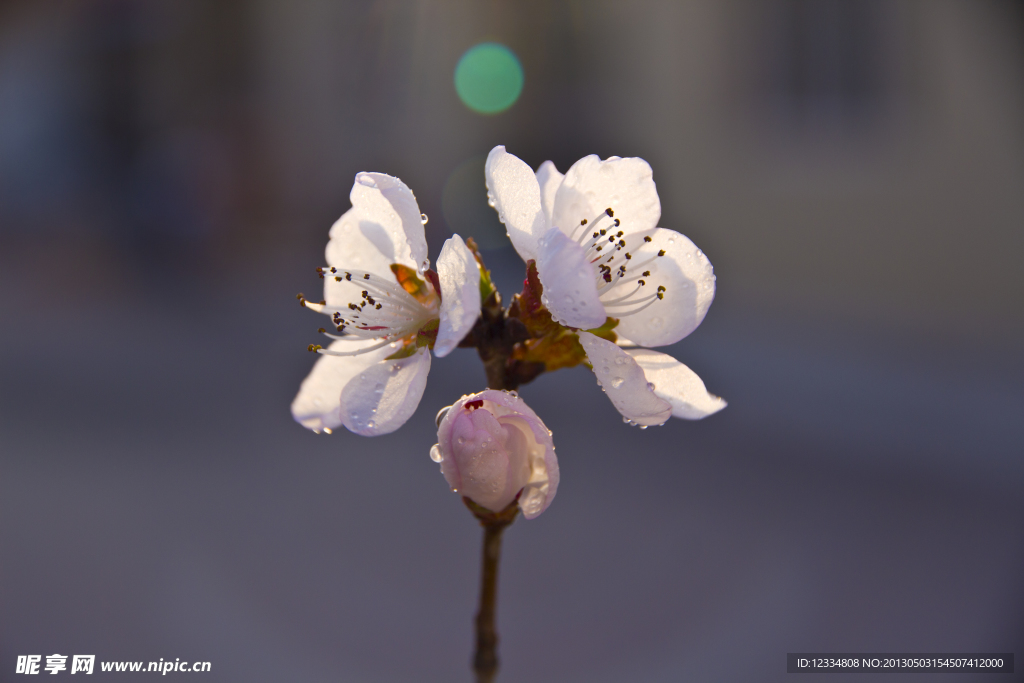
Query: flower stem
[[485, 659]]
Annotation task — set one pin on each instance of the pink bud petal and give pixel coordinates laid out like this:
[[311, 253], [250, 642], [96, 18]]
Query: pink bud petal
[[492, 447]]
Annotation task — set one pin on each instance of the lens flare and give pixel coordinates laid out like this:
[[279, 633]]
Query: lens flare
[[488, 78]]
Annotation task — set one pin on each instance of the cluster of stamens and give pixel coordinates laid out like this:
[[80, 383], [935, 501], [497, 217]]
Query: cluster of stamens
[[608, 250], [384, 311]]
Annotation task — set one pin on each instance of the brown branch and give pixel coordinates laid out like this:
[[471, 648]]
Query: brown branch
[[485, 659]]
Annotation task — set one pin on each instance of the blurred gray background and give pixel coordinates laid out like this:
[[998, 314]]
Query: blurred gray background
[[854, 171]]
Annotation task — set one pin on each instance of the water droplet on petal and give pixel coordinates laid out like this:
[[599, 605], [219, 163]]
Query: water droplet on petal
[[440, 415], [650, 385], [461, 440], [435, 453], [643, 426], [424, 218], [366, 180], [371, 424], [617, 382]]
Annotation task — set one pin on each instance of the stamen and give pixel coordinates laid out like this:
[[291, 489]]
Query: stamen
[[328, 352]]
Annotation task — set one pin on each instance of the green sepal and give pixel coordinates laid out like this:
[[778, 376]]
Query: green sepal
[[486, 286], [408, 349]]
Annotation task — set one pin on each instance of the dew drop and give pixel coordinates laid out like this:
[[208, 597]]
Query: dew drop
[[617, 382], [365, 180], [650, 385], [424, 219], [435, 453], [371, 424], [440, 415], [461, 440], [643, 426]]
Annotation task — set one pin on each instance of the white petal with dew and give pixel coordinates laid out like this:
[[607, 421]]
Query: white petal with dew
[[677, 384], [382, 227], [513, 187], [318, 403], [689, 282], [624, 381], [624, 185], [570, 291], [385, 394], [459, 274], [549, 180]]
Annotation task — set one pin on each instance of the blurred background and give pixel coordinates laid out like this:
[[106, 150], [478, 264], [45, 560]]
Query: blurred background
[[168, 174]]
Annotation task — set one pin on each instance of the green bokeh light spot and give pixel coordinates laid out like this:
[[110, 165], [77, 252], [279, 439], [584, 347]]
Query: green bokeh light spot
[[488, 78]]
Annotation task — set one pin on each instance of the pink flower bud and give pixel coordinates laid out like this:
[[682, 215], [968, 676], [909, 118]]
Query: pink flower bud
[[491, 446]]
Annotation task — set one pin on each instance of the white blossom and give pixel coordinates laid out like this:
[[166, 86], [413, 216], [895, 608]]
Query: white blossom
[[384, 307], [599, 253]]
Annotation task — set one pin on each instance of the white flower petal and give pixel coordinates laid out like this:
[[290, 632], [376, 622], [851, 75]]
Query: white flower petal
[[689, 282], [347, 390], [459, 274], [623, 380], [624, 185], [515, 193], [677, 384], [381, 398], [549, 180], [382, 227], [570, 292]]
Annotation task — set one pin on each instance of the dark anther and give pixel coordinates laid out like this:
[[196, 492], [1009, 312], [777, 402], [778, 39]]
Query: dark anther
[[642, 283], [628, 256], [366, 276], [321, 276], [473, 405], [310, 348], [599, 248], [583, 222], [661, 253], [341, 328], [337, 278], [353, 307], [299, 296], [617, 222], [661, 288], [661, 295], [319, 270], [647, 239], [622, 243], [321, 330], [322, 302], [595, 235], [348, 276], [333, 269], [618, 234], [365, 293], [609, 212], [608, 276], [378, 307], [603, 231], [647, 273]]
